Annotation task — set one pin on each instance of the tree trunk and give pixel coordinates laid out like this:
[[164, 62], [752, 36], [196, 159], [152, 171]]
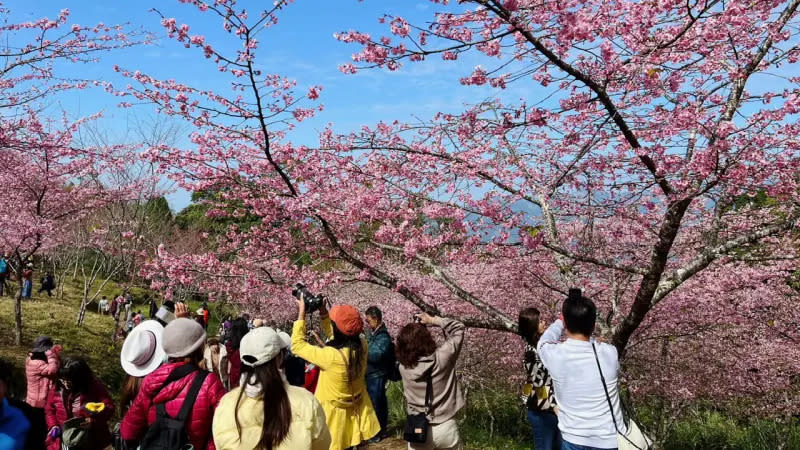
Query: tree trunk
[[82, 309], [18, 308], [114, 331], [642, 303]]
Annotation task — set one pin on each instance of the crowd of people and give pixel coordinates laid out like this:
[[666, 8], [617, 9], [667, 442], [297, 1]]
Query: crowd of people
[[253, 386], [8, 273]]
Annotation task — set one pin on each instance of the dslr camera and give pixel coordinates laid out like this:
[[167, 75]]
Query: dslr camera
[[313, 302]]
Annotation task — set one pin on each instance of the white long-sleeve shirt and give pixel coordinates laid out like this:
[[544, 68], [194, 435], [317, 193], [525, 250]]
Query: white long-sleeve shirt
[[583, 417]]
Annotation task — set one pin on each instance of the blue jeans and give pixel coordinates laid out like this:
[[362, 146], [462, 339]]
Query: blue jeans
[[27, 287], [567, 446], [376, 388], [545, 430]]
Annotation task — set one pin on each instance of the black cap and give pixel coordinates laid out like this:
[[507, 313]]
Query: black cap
[[42, 344]]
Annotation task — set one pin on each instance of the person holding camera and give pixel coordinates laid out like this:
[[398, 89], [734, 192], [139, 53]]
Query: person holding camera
[[537, 393], [584, 412], [343, 363], [429, 378], [69, 406]]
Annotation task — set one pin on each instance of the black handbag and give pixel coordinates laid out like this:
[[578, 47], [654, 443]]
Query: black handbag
[[416, 429]]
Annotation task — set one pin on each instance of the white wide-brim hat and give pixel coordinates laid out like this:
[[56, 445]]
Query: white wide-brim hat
[[142, 352]]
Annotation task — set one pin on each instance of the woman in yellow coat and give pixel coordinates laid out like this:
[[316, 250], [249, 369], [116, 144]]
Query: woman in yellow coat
[[343, 362]]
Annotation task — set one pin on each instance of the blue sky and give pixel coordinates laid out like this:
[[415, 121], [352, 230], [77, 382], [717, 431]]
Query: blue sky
[[301, 46]]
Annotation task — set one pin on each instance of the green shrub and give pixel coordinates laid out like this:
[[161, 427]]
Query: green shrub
[[711, 430]]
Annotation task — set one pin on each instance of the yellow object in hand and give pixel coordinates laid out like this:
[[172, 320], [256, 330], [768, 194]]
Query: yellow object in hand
[[95, 407]]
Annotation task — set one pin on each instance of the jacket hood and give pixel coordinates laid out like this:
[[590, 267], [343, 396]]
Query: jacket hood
[[423, 367]]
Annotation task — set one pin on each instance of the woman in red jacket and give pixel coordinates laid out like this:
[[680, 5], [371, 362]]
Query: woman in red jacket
[[76, 387], [184, 343]]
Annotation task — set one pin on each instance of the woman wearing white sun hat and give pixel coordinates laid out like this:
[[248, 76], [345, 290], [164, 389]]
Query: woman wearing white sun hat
[[141, 354]]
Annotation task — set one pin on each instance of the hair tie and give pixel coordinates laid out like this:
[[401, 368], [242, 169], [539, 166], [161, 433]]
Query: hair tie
[[574, 294]]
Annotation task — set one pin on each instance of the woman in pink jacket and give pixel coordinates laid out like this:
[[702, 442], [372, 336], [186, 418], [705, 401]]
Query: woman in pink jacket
[[41, 369]]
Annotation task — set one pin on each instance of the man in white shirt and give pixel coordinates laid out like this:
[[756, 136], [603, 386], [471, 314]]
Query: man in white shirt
[[584, 416]]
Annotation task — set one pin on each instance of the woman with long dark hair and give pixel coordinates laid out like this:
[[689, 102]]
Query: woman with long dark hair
[[343, 363], [70, 398], [538, 389], [423, 363], [265, 412]]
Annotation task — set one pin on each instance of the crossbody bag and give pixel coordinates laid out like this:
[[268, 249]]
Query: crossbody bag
[[417, 425], [633, 438]]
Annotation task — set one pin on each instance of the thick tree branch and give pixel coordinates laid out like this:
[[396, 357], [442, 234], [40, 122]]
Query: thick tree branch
[[708, 256], [673, 217], [438, 273]]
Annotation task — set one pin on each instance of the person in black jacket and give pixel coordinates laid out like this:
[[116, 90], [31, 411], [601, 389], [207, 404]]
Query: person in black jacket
[[48, 283]]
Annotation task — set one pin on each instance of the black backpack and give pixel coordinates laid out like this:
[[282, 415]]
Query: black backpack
[[168, 433]]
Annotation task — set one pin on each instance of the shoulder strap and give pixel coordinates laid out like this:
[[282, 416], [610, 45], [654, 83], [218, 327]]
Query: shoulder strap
[[429, 391], [605, 389], [608, 398], [191, 396], [175, 375]]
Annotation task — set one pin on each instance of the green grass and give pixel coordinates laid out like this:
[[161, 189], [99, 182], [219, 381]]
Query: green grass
[[56, 318], [711, 430], [492, 420]]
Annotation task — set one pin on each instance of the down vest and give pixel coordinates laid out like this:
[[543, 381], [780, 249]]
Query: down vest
[[142, 413], [40, 375]]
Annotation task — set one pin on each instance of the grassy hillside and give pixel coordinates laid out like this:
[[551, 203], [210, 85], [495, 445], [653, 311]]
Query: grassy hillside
[[56, 318]]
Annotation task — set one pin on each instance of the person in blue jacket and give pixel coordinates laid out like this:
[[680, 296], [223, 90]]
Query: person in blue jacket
[[380, 363], [13, 424]]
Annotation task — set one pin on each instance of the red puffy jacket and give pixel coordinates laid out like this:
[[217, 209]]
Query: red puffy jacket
[[56, 413], [142, 413]]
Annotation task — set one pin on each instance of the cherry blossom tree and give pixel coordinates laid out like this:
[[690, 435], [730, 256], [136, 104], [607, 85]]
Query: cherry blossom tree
[[652, 165], [48, 182], [659, 158]]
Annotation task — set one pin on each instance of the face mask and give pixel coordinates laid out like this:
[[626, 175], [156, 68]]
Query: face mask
[[254, 390]]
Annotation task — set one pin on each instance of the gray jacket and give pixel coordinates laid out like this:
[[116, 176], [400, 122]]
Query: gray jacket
[[448, 398]]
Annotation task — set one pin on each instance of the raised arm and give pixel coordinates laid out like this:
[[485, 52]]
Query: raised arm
[[448, 352], [548, 341], [53, 362], [319, 356]]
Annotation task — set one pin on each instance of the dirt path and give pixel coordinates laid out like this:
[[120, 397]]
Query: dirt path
[[389, 444]]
